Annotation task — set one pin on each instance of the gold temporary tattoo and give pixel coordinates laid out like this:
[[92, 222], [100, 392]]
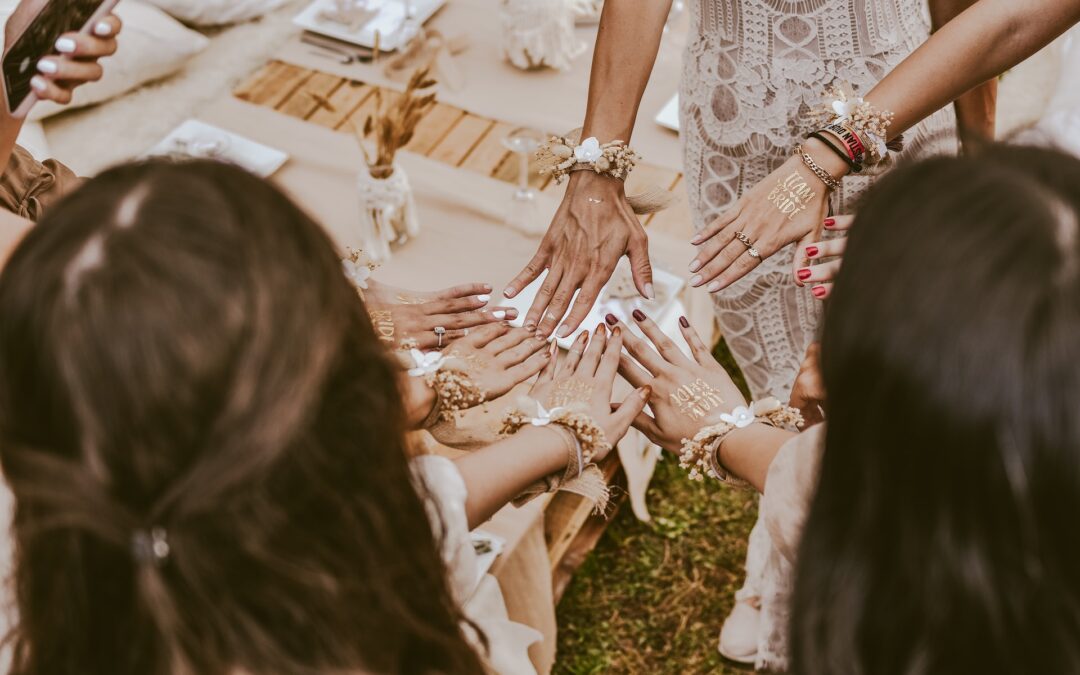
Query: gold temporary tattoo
[[384, 324], [569, 392], [791, 195], [697, 399], [409, 299]]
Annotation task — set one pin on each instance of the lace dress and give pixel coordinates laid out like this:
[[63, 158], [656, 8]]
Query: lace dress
[[752, 70]]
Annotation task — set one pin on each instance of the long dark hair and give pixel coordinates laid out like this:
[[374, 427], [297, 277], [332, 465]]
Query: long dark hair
[[944, 534], [206, 444]]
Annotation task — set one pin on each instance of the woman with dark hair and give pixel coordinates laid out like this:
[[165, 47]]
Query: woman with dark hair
[[206, 445], [940, 502]]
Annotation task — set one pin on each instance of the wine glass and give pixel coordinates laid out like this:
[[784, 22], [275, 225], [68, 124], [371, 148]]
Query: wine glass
[[523, 213]]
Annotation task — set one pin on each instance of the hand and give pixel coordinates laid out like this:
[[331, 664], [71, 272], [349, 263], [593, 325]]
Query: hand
[[823, 274], [688, 394], [401, 316], [497, 357], [586, 376], [787, 206], [60, 74], [593, 228], [808, 394]]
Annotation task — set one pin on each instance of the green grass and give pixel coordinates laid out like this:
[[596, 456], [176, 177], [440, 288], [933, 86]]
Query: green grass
[[652, 596]]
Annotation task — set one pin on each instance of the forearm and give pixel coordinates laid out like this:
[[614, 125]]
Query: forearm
[[626, 46], [496, 474], [977, 109], [9, 133], [748, 452], [979, 44]]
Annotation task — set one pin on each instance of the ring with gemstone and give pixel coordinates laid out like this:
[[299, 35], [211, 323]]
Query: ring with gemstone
[[440, 331], [745, 241]]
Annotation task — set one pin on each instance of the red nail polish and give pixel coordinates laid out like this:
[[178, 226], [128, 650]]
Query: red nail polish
[[818, 291], [829, 222], [639, 315], [684, 322], [811, 251], [804, 274], [611, 319]]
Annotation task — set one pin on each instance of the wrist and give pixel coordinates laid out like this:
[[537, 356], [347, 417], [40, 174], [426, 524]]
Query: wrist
[[825, 158], [550, 444]]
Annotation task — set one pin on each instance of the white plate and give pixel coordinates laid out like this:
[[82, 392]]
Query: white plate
[[668, 117], [199, 139], [387, 22]]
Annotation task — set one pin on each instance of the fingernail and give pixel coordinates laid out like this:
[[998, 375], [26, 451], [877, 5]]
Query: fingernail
[[639, 315], [483, 298], [601, 329], [509, 291], [696, 280], [695, 266], [645, 392], [696, 239], [103, 29], [616, 331], [554, 348], [512, 313], [611, 319], [818, 291], [499, 314], [649, 291], [531, 325], [829, 222], [47, 66], [803, 274], [486, 287], [811, 251], [65, 45], [38, 82], [563, 331], [684, 322], [713, 287]]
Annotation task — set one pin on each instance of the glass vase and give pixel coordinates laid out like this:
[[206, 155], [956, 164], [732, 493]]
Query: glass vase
[[387, 210]]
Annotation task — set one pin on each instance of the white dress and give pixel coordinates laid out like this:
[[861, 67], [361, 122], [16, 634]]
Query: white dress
[[751, 72]]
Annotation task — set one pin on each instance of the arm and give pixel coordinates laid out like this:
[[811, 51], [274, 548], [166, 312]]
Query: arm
[[981, 43], [977, 109], [595, 226]]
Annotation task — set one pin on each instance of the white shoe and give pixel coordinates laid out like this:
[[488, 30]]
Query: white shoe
[[739, 634]]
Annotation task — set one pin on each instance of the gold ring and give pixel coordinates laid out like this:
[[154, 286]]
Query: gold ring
[[745, 241]]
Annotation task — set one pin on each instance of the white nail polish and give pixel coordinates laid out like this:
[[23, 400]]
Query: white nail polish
[[695, 280], [649, 293], [65, 45], [499, 314], [483, 298], [713, 287], [46, 66], [695, 266], [103, 29], [39, 83], [564, 331]]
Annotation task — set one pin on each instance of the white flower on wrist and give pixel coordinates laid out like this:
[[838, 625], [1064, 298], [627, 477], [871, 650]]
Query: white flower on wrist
[[357, 273], [544, 416], [589, 151], [739, 417], [425, 364]]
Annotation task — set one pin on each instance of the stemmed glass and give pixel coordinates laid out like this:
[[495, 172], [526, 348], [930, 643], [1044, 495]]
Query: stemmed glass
[[409, 29], [677, 9], [523, 212]]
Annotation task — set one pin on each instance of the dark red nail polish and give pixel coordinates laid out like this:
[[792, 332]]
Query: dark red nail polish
[[803, 274], [639, 315], [811, 251], [829, 222], [611, 319], [684, 322], [818, 291]]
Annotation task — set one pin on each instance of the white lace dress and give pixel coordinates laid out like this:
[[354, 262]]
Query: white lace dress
[[752, 70]]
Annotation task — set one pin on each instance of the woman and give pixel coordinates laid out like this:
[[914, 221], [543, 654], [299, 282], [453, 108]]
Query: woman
[[939, 503], [205, 441]]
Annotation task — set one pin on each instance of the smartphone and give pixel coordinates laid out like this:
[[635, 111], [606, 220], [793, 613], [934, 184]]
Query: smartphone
[[39, 40]]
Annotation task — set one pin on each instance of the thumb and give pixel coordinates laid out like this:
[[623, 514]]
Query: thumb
[[628, 411], [640, 266]]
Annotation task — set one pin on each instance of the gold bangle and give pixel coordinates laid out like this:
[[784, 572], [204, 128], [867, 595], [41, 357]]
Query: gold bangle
[[825, 176]]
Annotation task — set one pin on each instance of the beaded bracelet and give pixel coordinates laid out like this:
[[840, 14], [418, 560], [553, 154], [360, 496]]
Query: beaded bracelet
[[862, 119], [454, 389], [821, 173], [589, 436], [559, 156], [699, 454]]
